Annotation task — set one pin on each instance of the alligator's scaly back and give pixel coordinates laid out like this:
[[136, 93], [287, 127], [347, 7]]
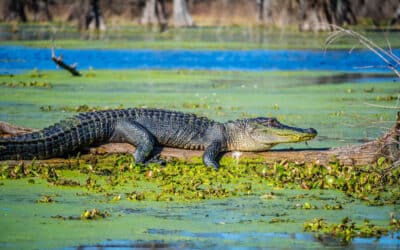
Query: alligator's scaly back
[[175, 129]]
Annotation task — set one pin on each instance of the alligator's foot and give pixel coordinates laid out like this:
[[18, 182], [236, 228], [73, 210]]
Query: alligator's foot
[[156, 160], [211, 164], [152, 160]]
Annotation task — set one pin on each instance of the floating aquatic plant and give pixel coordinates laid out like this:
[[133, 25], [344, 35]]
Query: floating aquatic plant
[[179, 180], [346, 230], [28, 84]]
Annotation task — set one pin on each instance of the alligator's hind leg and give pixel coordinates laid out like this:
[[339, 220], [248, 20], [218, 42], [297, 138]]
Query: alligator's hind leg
[[137, 135], [210, 156]]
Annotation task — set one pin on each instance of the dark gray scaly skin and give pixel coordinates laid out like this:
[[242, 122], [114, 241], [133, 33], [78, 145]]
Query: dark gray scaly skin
[[147, 128]]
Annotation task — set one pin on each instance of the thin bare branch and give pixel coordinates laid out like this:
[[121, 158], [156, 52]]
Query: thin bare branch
[[381, 106], [388, 44], [390, 59], [335, 35], [370, 67], [352, 48]]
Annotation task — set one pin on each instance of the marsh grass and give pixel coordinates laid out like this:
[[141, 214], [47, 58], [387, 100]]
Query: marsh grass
[[391, 60]]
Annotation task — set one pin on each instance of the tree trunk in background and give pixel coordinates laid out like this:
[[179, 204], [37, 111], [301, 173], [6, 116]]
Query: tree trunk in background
[[343, 12], [281, 13], [266, 10], [88, 14], [94, 19], [396, 16], [315, 15], [318, 15], [83, 9], [260, 16], [13, 10], [149, 16], [40, 10], [309, 15], [154, 14], [182, 17], [378, 11]]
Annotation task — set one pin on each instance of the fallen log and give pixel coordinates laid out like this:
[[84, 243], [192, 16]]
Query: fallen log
[[8, 130], [353, 155]]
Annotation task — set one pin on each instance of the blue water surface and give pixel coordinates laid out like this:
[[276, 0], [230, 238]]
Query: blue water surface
[[17, 58]]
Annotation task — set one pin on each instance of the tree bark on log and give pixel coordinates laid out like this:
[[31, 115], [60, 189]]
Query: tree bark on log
[[353, 155], [8, 130]]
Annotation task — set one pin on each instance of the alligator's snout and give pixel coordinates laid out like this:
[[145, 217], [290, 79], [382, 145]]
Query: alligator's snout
[[311, 131]]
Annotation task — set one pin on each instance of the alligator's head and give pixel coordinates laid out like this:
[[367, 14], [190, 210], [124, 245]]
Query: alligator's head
[[262, 133]]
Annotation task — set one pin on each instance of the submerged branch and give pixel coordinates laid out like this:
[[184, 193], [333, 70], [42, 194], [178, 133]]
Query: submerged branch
[[59, 61]]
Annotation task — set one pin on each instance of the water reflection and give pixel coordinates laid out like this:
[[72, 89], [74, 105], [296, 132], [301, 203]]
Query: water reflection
[[253, 35], [353, 77], [244, 240], [126, 244]]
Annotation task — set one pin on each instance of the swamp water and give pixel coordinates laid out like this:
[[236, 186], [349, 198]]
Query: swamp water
[[230, 210], [185, 206]]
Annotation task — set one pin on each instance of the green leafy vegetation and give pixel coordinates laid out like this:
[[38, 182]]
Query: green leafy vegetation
[[30, 84], [376, 185], [347, 229], [79, 109]]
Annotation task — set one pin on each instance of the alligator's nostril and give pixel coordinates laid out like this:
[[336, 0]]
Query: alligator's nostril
[[312, 131]]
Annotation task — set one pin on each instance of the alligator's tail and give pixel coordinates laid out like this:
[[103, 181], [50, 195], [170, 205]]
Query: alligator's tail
[[61, 139]]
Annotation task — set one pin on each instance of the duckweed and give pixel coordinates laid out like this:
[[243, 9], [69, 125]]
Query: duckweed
[[94, 214], [117, 179], [387, 98], [179, 180], [394, 222], [27, 84], [46, 199], [78, 109], [90, 214]]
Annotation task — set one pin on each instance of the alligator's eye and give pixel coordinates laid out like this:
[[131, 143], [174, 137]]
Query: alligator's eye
[[273, 122]]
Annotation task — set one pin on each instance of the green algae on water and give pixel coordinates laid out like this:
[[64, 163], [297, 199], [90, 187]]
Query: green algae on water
[[189, 197], [294, 97]]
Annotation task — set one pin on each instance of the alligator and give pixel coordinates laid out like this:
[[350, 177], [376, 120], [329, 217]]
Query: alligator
[[148, 128]]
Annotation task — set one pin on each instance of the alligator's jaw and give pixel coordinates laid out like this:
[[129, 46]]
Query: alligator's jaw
[[260, 134], [291, 134]]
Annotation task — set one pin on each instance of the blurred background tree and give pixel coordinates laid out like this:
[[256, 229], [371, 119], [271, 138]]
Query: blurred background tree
[[305, 15]]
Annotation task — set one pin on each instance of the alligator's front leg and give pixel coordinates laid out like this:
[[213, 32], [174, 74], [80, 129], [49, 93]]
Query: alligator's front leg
[[210, 156], [135, 134]]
